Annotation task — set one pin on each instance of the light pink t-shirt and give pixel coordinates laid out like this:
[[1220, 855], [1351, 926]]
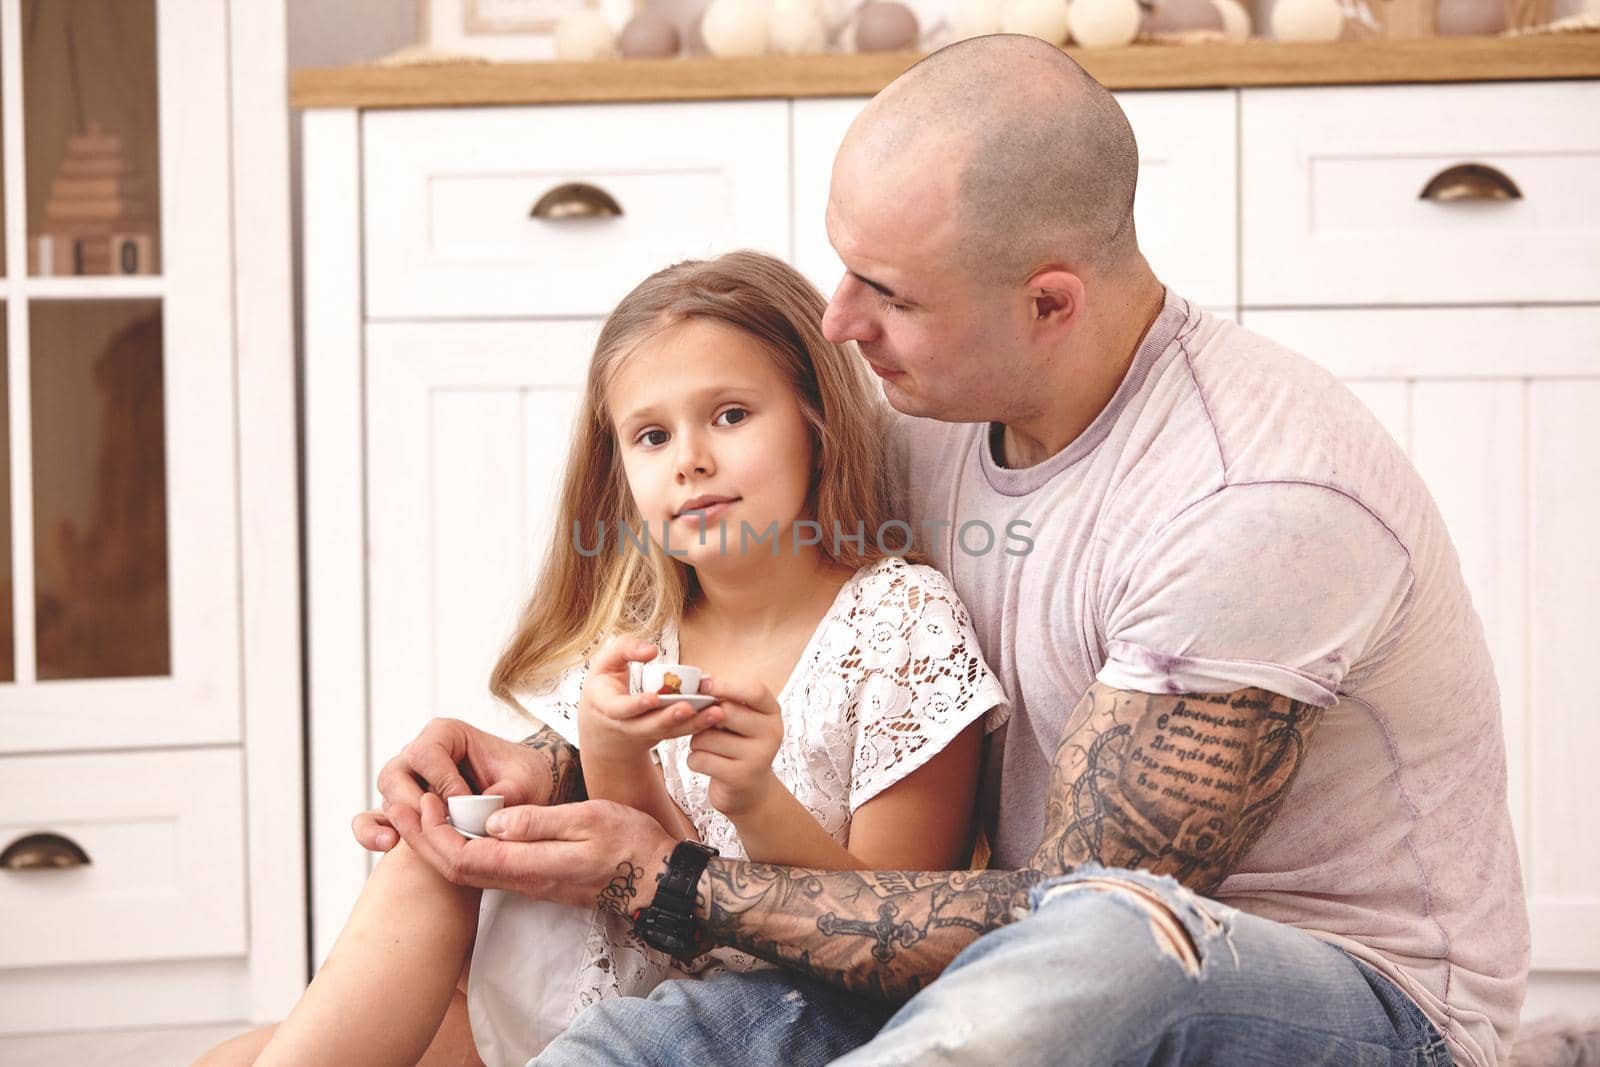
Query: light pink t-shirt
[[1235, 517]]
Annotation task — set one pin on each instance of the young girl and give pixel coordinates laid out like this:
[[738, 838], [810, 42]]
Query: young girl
[[726, 497]]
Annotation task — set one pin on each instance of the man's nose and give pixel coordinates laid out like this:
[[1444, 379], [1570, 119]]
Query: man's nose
[[845, 320]]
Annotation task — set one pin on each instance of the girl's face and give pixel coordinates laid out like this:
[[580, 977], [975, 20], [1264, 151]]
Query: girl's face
[[705, 420]]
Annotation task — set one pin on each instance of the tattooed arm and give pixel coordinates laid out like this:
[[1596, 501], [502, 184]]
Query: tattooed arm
[[1180, 785], [561, 767]]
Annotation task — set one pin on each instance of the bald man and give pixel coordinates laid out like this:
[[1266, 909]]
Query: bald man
[[1249, 806]]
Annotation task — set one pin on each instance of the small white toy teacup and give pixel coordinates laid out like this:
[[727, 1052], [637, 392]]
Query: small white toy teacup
[[469, 813], [671, 678]]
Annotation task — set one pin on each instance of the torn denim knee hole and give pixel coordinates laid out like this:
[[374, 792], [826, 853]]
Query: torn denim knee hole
[[1172, 935]]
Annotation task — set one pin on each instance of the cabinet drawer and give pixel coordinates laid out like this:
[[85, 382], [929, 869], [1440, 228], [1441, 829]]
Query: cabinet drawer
[[164, 835], [449, 196], [1185, 206], [1333, 211]]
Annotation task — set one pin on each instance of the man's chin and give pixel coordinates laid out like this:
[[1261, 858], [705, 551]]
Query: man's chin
[[902, 401]]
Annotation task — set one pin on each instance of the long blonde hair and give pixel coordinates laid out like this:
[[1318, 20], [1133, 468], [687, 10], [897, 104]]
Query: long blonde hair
[[581, 598]]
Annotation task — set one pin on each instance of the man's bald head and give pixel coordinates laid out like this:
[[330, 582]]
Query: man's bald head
[[1041, 156]]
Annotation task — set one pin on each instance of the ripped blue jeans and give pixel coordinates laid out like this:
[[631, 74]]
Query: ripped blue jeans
[[1110, 967]]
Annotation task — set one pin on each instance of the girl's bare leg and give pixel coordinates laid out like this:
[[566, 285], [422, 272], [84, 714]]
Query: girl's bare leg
[[452, 1045], [391, 978]]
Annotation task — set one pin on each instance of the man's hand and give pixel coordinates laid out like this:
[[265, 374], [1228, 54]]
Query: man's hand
[[738, 756], [593, 852], [451, 758]]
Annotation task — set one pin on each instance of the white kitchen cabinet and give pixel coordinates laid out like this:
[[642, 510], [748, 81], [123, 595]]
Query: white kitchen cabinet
[[149, 708], [559, 211], [436, 412], [1391, 194]]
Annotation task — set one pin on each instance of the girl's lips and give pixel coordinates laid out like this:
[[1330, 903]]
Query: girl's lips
[[710, 511]]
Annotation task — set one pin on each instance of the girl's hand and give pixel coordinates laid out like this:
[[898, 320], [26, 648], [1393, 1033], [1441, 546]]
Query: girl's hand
[[737, 757], [615, 726]]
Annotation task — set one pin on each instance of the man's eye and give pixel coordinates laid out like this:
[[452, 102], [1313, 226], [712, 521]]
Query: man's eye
[[734, 415], [646, 438]]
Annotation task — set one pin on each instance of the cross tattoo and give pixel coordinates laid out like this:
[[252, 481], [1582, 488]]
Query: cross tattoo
[[885, 932]]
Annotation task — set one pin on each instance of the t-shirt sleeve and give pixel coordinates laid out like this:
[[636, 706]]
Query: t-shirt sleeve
[[1282, 586], [922, 679], [555, 703]]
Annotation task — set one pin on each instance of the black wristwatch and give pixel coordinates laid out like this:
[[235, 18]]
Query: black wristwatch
[[669, 923]]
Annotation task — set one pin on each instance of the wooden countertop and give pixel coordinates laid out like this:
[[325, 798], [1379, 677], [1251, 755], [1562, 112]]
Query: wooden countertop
[[1143, 66]]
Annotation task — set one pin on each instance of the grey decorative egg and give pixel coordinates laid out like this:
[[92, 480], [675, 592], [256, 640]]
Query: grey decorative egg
[[648, 36], [885, 26], [1181, 16]]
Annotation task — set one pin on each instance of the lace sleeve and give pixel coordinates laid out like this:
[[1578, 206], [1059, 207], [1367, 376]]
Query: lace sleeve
[[921, 677], [555, 703]]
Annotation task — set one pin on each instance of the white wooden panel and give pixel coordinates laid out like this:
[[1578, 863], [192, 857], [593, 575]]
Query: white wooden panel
[[1449, 343], [1468, 444], [269, 508], [107, 996], [1330, 186], [478, 561], [336, 586], [449, 193], [1185, 208], [198, 702], [166, 874], [467, 430], [1390, 401], [1564, 700]]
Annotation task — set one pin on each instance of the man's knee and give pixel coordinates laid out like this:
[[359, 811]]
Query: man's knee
[[1171, 925]]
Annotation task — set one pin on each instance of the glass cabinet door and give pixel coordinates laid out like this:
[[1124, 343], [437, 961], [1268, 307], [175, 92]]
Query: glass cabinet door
[[119, 585]]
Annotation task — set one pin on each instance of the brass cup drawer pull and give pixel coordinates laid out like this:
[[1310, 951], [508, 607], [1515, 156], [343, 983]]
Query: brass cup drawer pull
[[575, 200], [1470, 181], [43, 852]]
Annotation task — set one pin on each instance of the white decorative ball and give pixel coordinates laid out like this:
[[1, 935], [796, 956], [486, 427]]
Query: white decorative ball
[[1235, 19], [974, 18], [794, 28], [1105, 23], [1044, 19], [735, 28], [584, 35], [1307, 20]]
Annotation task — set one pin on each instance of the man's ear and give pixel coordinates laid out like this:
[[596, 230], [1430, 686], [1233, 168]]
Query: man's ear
[[1055, 296]]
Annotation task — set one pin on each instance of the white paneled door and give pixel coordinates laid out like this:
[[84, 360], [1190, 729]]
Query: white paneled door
[[1496, 408], [467, 434]]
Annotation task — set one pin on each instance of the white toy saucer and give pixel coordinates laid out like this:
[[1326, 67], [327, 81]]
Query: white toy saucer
[[697, 701]]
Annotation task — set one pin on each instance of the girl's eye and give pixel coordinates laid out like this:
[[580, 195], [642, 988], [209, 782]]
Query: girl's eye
[[888, 305], [646, 438], [730, 414]]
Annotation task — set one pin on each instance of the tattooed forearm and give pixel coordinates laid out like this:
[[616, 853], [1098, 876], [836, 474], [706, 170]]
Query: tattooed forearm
[[562, 763], [618, 894], [883, 934], [1181, 785]]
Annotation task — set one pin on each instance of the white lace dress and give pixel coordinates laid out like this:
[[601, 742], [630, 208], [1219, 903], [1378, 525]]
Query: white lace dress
[[890, 676]]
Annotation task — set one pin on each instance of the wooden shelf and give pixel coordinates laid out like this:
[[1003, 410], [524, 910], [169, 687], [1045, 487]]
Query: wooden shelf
[[1250, 63]]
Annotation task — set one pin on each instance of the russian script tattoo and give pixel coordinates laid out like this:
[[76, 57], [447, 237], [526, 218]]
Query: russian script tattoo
[[565, 768], [618, 894], [1181, 785]]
